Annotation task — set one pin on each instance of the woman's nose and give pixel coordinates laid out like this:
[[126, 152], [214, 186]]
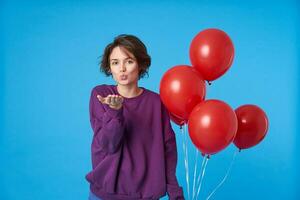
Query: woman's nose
[[122, 68]]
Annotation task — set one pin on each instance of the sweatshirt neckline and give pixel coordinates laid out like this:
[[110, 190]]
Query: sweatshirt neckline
[[131, 98]]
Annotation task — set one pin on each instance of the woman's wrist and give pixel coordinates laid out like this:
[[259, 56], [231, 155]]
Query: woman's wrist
[[116, 107]]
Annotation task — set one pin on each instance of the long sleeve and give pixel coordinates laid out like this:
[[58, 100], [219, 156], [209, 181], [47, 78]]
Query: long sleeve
[[175, 192], [107, 124]]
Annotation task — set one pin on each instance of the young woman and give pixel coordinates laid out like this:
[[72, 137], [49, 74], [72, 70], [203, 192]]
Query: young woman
[[134, 154]]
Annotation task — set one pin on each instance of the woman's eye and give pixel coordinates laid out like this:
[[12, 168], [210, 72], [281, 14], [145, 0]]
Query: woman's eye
[[114, 63], [130, 61]]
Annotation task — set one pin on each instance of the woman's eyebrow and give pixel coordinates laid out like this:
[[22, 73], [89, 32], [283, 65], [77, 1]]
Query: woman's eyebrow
[[124, 59]]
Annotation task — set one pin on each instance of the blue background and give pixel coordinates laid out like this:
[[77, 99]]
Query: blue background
[[48, 60]]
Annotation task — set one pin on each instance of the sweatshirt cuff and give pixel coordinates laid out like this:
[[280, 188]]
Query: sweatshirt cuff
[[175, 192]]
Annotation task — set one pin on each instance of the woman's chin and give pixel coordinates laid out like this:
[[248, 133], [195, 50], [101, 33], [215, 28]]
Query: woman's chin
[[123, 82]]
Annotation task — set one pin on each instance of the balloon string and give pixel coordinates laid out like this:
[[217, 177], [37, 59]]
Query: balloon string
[[225, 177], [195, 172], [201, 169], [183, 147], [187, 160], [202, 175]]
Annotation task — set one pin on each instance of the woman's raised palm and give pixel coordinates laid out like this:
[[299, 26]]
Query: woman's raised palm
[[114, 101]]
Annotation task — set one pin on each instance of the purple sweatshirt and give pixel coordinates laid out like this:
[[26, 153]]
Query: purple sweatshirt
[[134, 154]]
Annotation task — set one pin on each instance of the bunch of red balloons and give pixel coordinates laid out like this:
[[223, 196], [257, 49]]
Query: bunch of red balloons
[[212, 124]]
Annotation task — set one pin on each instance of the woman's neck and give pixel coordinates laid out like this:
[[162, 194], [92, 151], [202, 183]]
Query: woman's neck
[[129, 91]]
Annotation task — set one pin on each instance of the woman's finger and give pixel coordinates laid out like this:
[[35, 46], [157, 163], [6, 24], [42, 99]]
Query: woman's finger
[[111, 99], [108, 99], [114, 100], [100, 98], [120, 99]]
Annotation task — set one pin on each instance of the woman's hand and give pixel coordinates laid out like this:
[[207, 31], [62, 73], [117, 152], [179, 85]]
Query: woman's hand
[[114, 101]]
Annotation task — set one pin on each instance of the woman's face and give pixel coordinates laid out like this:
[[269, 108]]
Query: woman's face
[[123, 66]]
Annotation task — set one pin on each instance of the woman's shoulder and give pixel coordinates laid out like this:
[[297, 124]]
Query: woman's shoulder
[[154, 95], [103, 89]]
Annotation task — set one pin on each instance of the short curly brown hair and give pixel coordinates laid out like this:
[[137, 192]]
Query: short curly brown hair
[[132, 44]]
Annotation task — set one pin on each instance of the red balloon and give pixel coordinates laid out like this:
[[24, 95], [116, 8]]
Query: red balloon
[[181, 89], [252, 126], [177, 120], [211, 53], [212, 126]]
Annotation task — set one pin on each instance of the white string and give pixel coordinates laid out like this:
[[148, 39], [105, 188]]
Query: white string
[[225, 177], [187, 161], [201, 169], [195, 172], [202, 176]]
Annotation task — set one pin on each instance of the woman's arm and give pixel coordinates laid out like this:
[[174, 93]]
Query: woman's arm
[[107, 124], [174, 191]]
